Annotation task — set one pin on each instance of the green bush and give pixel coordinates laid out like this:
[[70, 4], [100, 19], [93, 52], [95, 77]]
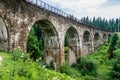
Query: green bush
[[66, 53], [18, 54], [115, 71], [27, 70], [85, 66], [66, 49], [65, 68], [103, 47], [112, 46]]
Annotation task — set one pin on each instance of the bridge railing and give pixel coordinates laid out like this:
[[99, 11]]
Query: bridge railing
[[48, 7]]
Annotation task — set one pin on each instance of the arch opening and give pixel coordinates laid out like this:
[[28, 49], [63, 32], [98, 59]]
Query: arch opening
[[104, 39], [43, 42], [87, 42], [86, 36], [71, 46], [109, 37], [96, 40], [3, 36]]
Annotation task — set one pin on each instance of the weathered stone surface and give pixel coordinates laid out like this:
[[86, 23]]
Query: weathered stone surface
[[19, 16]]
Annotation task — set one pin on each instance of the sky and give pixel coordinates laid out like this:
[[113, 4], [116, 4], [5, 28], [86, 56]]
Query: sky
[[83, 8]]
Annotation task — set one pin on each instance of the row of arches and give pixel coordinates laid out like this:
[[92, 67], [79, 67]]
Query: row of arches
[[87, 37], [52, 44], [92, 40], [51, 41]]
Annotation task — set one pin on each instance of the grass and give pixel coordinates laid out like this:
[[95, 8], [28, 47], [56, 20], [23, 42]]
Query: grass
[[31, 70], [28, 70]]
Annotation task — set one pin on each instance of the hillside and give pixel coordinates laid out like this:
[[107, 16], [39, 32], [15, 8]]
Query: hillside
[[20, 68], [26, 70], [103, 64]]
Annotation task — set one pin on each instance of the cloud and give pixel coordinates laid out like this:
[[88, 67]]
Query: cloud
[[91, 8], [111, 3]]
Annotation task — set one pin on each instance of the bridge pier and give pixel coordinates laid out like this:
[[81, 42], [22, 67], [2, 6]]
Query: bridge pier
[[52, 50], [73, 50]]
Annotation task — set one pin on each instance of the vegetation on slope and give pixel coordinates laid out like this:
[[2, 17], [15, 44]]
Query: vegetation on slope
[[20, 67], [101, 65], [96, 66]]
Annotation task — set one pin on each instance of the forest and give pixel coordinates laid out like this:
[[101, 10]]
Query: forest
[[103, 23]]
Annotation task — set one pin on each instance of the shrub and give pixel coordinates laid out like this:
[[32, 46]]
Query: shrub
[[16, 54], [112, 46], [103, 47], [19, 54], [65, 68], [66, 52], [115, 71], [51, 66], [85, 66]]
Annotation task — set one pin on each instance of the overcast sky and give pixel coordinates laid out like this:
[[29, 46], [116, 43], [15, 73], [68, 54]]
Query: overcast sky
[[82, 8]]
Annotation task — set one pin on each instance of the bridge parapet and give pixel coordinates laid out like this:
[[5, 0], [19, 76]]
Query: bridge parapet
[[48, 7]]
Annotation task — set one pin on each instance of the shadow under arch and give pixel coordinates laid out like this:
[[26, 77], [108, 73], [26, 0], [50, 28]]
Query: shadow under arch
[[71, 42], [109, 35], [4, 36], [50, 41]]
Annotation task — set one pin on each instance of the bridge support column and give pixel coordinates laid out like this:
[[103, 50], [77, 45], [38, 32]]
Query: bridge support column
[[92, 45], [52, 51], [62, 56], [73, 50]]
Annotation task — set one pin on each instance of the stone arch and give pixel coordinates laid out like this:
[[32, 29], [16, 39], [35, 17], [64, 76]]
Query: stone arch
[[104, 38], [51, 41], [4, 37], [86, 36], [87, 42], [96, 39], [73, 45], [109, 35]]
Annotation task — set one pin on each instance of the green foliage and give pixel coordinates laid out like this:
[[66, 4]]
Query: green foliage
[[112, 46], [18, 54], [35, 43], [118, 45], [85, 66], [65, 68], [51, 66], [11, 69], [104, 46], [103, 23], [100, 59], [95, 66], [115, 71], [66, 41], [66, 47], [66, 53], [115, 61]]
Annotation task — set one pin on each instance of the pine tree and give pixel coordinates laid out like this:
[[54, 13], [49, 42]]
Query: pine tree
[[112, 46]]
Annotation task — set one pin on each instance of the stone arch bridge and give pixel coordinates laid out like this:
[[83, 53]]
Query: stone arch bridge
[[18, 16]]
